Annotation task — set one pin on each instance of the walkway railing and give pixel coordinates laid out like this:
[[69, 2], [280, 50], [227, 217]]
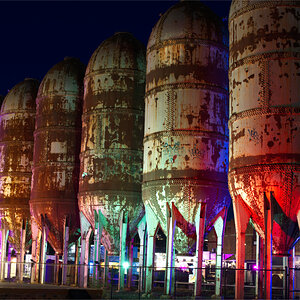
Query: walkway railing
[[107, 277]]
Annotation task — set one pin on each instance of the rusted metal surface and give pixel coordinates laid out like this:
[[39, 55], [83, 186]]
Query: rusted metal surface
[[264, 113], [186, 136], [112, 135], [57, 138], [17, 120]]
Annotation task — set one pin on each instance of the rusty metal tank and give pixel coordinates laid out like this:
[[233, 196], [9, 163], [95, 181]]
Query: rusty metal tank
[[264, 113], [57, 138], [112, 135], [186, 136], [17, 120]]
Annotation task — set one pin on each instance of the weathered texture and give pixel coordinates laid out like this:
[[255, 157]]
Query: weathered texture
[[186, 136], [112, 135], [16, 153], [57, 140], [264, 113]]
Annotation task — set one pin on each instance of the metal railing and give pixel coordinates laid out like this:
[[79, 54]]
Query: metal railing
[[103, 277]]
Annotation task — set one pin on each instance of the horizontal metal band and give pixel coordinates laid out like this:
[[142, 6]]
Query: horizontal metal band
[[262, 4], [272, 168], [264, 111], [185, 133], [195, 41], [184, 86], [112, 110], [114, 70], [262, 56]]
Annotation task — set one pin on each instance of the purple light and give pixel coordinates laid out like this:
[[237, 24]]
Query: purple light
[[255, 267]]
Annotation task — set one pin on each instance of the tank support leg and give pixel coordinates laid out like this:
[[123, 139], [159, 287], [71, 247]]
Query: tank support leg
[[65, 251], [35, 251], [130, 258], [4, 237], [86, 231], [268, 247], [152, 224], [9, 260], [77, 266], [219, 227], [106, 267], [56, 270], [141, 232], [259, 266], [241, 217], [291, 267], [200, 229], [43, 253], [97, 248], [170, 253], [22, 250], [122, 255]]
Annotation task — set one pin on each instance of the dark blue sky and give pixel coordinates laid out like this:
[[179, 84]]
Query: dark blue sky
[[38, 34]]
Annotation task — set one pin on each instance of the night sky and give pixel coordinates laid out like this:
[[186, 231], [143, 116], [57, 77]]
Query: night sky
[[36, 35]]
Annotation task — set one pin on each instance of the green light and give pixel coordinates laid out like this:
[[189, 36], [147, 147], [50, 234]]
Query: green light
[[126, 265]]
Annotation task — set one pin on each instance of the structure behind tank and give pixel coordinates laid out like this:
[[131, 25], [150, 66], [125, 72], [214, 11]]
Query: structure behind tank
[[17, 121], [57, 137], [264, 124], [112, 141], [186, 136]]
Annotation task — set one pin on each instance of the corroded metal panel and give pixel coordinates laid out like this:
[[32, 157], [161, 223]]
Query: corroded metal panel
[[186, 136], [17, 120], [112, 135], [57, 138], [264, 113]]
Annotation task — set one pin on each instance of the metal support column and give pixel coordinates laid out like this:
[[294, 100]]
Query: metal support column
[[291, 266], [65, 251], [170, 252], [22, 251], [241, 217], [4, 237], [130, 260], [259, 267], [152, 224], [219, 227], [43, 253], [141, 232], [35, 251], [106, 268], [200, 228], [268, 247], [122, 253]]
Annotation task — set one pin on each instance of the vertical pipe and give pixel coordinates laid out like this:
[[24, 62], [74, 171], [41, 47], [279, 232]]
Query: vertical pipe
[[65, 252], [170, 252], [122, 253], [200, 228], [219, 227], [43, 254]]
